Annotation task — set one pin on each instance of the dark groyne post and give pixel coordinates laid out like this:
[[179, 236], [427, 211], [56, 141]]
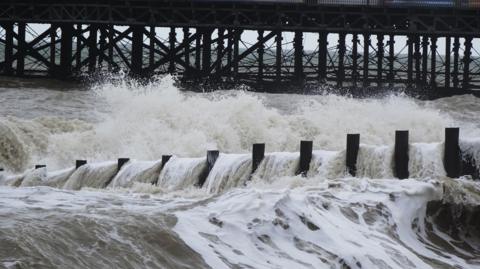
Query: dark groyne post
[[306, 148], [353, 145], [165, 159], [212, 156], [451, 160], [401, 157], [38, 166], [121, 162], [258, 153], [79, 163]]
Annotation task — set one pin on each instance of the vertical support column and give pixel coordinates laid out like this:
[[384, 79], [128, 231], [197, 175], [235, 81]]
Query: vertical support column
[[212, 156], [236, 48], [220, 48], [186, 49], [456, 47], [78, 43], [172, 39], [451, 160], [424, 60], [298, 56], [229, 49], [418, 56], [380, 54], [341, 59], [21, 51], [391, 59], [322, 56], [53, 54], [410, 43], [355, 59], [198, 52], [433, 62], [92, 48], [111, 45], [260, 52], [278, 56], [448, 41], [466, 62], [207, 51], [137, 50], [366, 60], [8, 49], [102, 44], [151, 49], [66, 50]]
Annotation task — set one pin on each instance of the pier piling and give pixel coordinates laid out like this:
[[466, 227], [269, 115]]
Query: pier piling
[[212, 156]]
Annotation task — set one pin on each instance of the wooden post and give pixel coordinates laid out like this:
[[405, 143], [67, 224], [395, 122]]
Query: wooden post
[[79, 163], [121, 162], [258, 153], [353, 145], [165, 159], [212, 156], [8, 69], [38, 166], [22, 49], [401, 154], [306, 148], [66, 51], [451, 160], [137, 50]]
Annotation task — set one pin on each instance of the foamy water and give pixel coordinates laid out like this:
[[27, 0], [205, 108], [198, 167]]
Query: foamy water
[[98, 217]]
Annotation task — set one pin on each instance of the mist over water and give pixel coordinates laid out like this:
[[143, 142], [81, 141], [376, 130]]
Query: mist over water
[[98, 217]]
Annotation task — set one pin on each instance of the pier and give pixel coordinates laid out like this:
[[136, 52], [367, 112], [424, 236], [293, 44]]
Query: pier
[[375, 44]]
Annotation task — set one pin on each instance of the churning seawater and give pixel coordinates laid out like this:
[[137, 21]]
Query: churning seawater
[[59, 217]]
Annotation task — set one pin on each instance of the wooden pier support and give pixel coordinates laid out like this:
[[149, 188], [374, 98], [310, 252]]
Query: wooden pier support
[[298, 56], [212, 156], [391, 59], [341, 59], [236, 52], [260, 52], [220, 49], [410, 56], [456, 47], [207, 51], [322, 56], [53, 50], [448, 42], [66, 51], [278, 56], [137, 51], [355, 59], [417, 56], [451, 158], [424, 60], [22, 49], [92, 48], [8, 65], [433, 62], [258, 153], [198, 50], [401, 157], [80, 163], [186, 50], [172, 40], [366, 60], [380, 55], [353, 146], [306, 148], [466, 62]]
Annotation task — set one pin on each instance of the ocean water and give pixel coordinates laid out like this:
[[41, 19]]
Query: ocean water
[[98, 217]]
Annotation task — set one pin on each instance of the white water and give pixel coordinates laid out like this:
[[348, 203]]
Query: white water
[[66, 218]]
